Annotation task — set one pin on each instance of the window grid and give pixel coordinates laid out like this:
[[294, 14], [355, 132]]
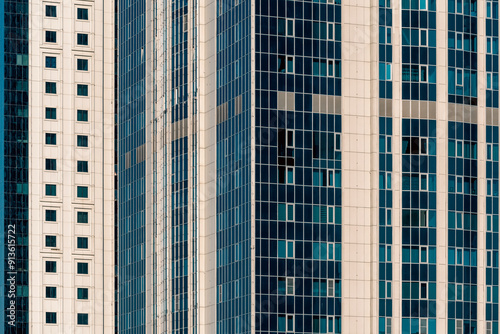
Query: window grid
[[418, 225]]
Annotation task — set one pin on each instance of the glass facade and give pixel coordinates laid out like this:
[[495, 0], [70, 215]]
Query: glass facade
[[233, 167], [132, 166], [385, 167], [15, 157], [298, 167]]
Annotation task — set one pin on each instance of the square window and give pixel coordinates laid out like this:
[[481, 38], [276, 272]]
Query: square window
[[50, 88], [82, 166], [82, 217], [50, 190], [82, 192], [82, 242], [82, 13], [82, 64], [50, 164], [50, 266], [50, 241], [82, 115], [50, 317], [50, 292], [50, 215], [50, 62], [50, 11], [82, 268], [50, 36], [82, 319], [82, 39], [82, 141], [50, 139], [50, 113], [82, 90], [83, 293]]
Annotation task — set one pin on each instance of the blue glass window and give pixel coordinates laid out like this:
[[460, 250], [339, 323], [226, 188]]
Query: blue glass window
[[82, 217], [50, 62], [50, 241], [82, 90], [50, 215], [50, 139], [82, 64], [82, 166], [50, 292], [82, 319], [50, 11], [82, 268], [50, 266], [82, 293]]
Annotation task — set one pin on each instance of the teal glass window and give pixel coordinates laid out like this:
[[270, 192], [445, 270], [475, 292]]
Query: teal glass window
[[82, 166], [50, 164], [50, 190], [82, 242], [82, 293], [50, 62], [82, 39], [82, 13], [50, 215], [82, 141], [82, 115], [82, 268], [82, 192], [82, 319], [82, 90], [50, 241], [50, 292], [82, 64], [50, 88], [50, 139], [50, 113], [50, 266], [82, 217], [50, 11], [50, 36], [50, 317]]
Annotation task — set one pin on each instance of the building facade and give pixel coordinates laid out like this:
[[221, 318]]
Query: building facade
[[57, 166], [318, 166]]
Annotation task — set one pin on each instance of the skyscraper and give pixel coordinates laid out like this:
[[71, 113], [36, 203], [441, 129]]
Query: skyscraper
[[56, 166], [319, 166]]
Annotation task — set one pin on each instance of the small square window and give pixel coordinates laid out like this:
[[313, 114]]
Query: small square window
[[82, 90], [82, 192], [82, 115], [82, 39], [50, 241], [50, 139], [50, 36], [50, 88], [82, 217], [50, 11], [50, 164], [82, 319], [51, 317], [50, 292], [83, 293], [82, 242], [50, 62], [82, 13], [82, 166], [50, 215], [50, 190], [82, 268], [82, 64], [82, 141], [50, 266], [50, 113]]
